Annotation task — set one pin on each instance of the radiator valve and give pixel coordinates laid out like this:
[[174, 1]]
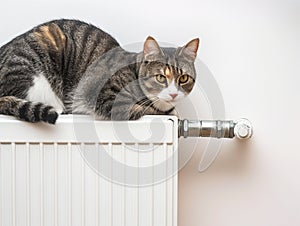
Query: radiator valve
[[241, 128]]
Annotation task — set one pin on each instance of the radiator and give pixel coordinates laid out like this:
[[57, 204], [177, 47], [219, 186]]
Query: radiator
[[82, 172]]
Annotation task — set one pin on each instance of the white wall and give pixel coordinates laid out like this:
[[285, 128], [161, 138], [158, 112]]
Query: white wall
[[252, 49]]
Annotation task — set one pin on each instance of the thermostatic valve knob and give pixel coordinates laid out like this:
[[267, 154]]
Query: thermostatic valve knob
[[243, 129]]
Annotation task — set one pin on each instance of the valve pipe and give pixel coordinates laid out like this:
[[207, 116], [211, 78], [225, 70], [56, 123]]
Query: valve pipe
[[241, 128]]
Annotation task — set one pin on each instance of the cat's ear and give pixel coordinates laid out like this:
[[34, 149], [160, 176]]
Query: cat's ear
[[190, 49], [151, 48]]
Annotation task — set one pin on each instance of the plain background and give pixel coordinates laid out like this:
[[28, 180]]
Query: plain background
[[252, 49]]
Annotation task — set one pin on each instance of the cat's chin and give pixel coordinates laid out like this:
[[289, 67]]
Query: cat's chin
[[163, 105]]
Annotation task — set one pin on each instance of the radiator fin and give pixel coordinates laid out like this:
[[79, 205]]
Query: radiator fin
[[52, 184]]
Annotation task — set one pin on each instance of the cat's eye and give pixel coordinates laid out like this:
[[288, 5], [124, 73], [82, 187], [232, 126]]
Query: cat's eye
[[160, 78], [183, 79]]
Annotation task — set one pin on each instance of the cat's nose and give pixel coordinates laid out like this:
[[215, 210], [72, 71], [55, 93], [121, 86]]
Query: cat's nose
[[173, 95]]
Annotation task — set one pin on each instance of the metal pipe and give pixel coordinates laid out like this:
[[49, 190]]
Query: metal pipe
[[241, 129]]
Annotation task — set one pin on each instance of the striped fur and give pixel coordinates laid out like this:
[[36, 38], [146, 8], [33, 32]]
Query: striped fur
[[88, 72], [26, 110]]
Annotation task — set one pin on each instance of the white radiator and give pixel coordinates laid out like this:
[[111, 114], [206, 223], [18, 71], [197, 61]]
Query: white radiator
[[82, 172]]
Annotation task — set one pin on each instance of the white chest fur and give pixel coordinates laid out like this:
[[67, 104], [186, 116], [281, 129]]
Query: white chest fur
[[41, 91]]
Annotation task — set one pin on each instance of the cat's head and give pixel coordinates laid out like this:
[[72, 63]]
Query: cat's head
[[167, 74]]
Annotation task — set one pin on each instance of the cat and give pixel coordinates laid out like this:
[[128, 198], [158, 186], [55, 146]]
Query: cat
[[68, 66]]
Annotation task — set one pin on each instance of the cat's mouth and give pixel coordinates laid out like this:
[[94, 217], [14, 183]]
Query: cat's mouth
[[173, 101], [168, 101]]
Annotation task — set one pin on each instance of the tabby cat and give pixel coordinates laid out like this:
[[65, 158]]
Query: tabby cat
[[68, 66]]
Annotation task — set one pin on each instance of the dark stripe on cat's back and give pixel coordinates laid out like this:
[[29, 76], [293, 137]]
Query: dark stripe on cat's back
[[16, 72], [35, 51], [19, 52], [75, 37], [91, 49], [85, 43], [86, 33], [91, 56], [69, 29], [4, 55], [26, 56]]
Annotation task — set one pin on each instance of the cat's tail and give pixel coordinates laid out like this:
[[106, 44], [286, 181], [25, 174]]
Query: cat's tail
[[26, 110]]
